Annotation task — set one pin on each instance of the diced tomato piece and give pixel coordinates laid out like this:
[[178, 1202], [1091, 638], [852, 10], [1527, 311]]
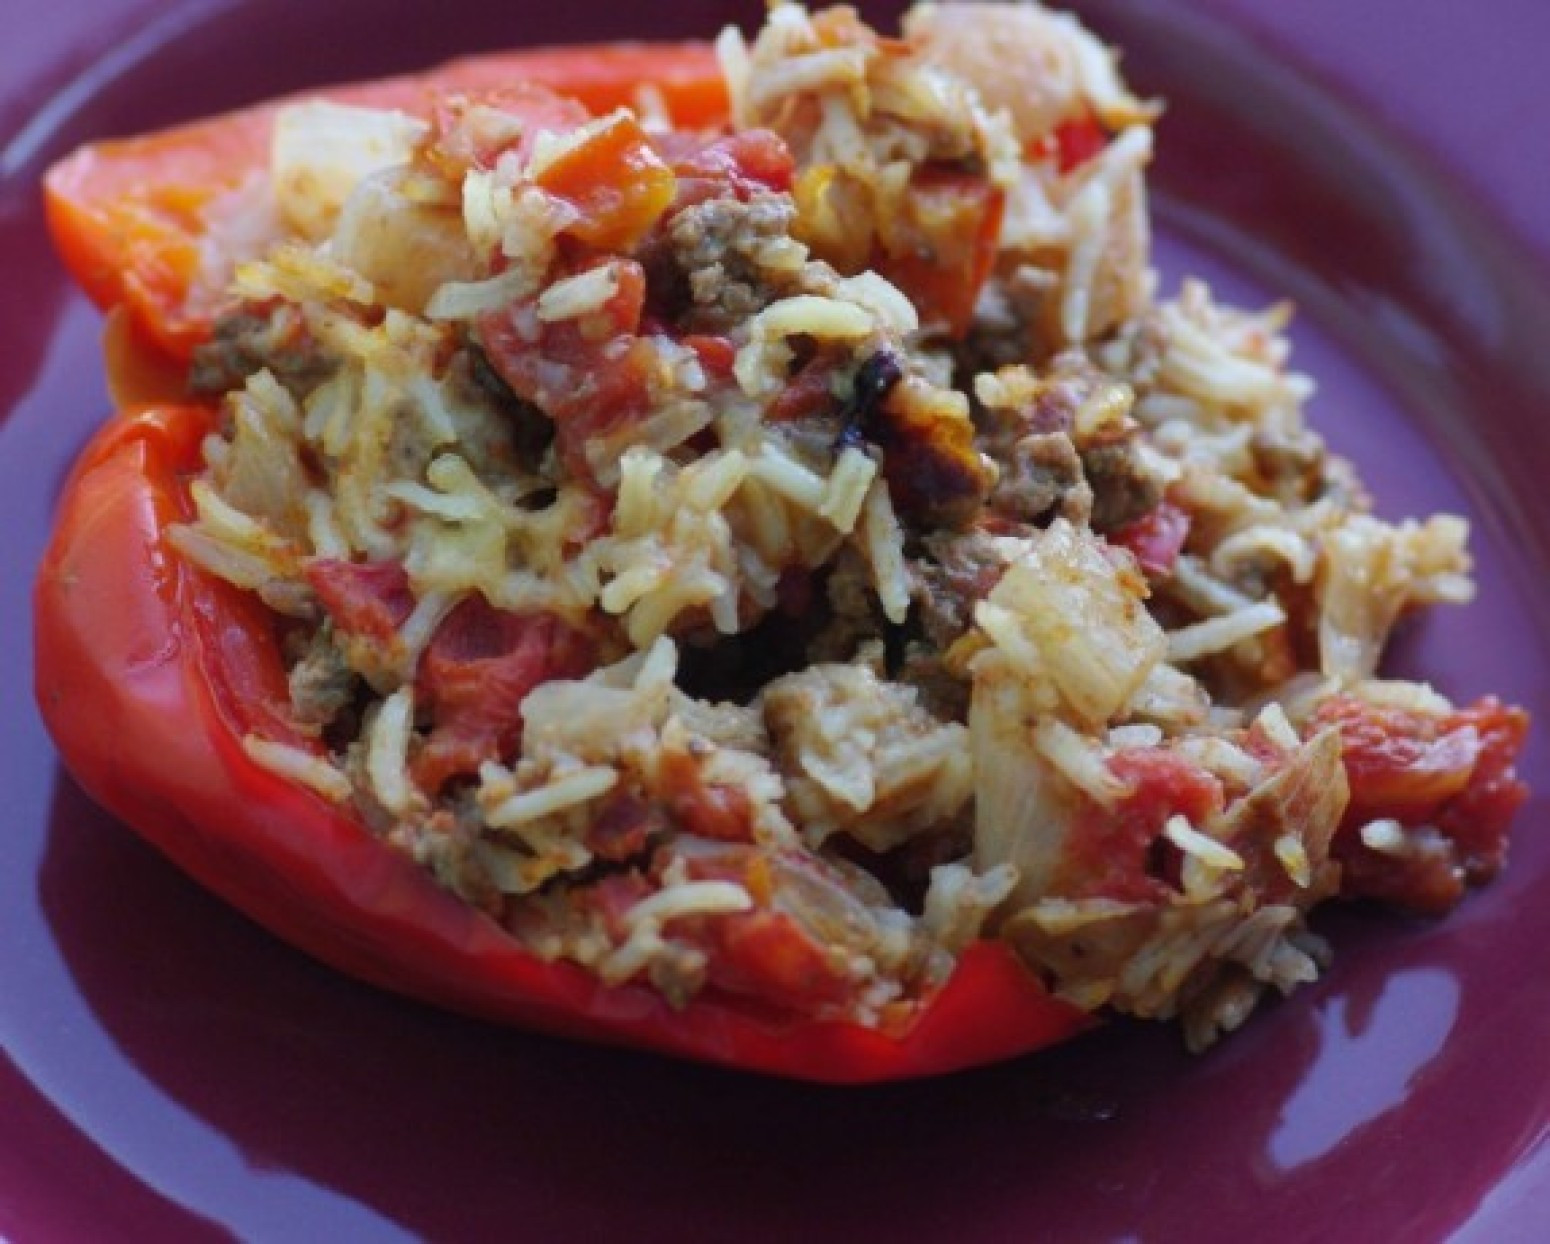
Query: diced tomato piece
[[1426, 878], [614, 393], [591, 376], [705, 809], [941, 248], [1448, 779], [621, 313], [478, 668], [716, 811], [716, 355], [1076, 142], [806, 393], [734, 165], [363, 598], [1401, 764], [769, 956], [1478, 817], [758, 159], [616, 182], [1109, 850], [613, 897], [1156, 538], [622, 828], [765, 956]]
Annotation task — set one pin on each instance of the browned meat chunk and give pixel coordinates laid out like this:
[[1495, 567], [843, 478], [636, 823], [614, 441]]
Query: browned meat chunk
[[1042, 477], [1123, 488], [1292, 463], [247, 342], [957, 571], [715, 249], [322, 684], [855, 619], [941, 693]]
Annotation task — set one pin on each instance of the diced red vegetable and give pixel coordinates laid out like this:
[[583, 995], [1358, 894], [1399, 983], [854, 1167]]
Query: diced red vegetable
[[478, 668], [1076, 142], [1156, 538], [371, 599], [615, 182], [1109, 853], [942, 247], [1449, 780]]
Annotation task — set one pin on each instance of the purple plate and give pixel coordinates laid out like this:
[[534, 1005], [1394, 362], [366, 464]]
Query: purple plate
[[172, 1072]]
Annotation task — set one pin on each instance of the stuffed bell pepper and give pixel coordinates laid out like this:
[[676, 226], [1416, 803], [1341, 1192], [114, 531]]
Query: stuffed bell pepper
[[725, 549]]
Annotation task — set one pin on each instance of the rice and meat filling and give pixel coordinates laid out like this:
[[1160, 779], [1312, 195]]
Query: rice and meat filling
[[766, 561]]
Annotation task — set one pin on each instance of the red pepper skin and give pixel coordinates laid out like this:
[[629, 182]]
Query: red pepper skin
[[149, 673]]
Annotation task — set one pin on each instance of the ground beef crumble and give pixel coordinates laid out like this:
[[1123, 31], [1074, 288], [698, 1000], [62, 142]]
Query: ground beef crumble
[[710, 255]]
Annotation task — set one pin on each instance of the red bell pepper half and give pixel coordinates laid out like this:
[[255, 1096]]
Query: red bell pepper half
[[150, 673]]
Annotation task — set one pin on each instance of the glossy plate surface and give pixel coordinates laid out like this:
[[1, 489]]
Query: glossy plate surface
[[172, 1072]]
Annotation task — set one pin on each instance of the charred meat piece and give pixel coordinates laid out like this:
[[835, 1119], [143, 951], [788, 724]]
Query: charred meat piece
[[936, 475], [875, 380]]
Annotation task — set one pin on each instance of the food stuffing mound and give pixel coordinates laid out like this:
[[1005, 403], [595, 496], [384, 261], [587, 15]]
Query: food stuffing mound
[[728, 550]]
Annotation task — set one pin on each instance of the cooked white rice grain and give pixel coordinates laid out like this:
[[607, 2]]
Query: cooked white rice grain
[[812, 316], [1079, 760], [464, 300], [689, 898], [558, 795], [783, 474], [1385, 836], [1277, 726], [579, 295], [1293, 858], [882, 541], [387, 750], [847, 489], [1213, 635], [1207, 849], [294, 764]]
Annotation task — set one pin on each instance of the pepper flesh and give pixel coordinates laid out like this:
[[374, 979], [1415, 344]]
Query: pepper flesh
[[150, 673]]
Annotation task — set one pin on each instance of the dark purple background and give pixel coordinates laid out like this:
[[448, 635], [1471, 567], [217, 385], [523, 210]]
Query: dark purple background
[[171, 1072]]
